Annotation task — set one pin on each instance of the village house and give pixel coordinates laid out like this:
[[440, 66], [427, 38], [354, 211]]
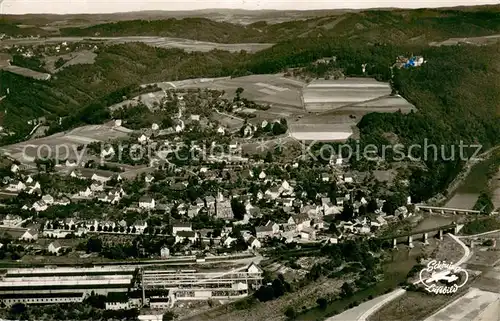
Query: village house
[[269, 230], [16, 186], [97, 187], [149, 178], [146, 202], [54, 247], [254, 243], [300, 221], [12, 220], [164, 252], [142, 139], [70, 163], [223, 209], [140, 226], [100, 178], [14, 168], [273, 192], [180, 226], [48, 199], [29, 235], [229, 241], [193, 211], [210, 200], [181, 236], [86, 193], [40, 206], [76, 174], [308, 234]]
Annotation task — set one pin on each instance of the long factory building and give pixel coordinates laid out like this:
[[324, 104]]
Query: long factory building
[[187, 285], [62, 285], [160, 288]]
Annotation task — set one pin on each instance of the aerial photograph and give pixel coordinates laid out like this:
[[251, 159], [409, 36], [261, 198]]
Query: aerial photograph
[[248, 160]]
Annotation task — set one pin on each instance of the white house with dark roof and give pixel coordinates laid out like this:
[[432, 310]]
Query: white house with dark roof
[[12, 220], [146, 202], [140, 226], [273, 192], [149, 178], [263, 232], [48, 199], [16, 186], [180, 226], [254, 243], [54, 247], [100, 178], [97, 187], [40, 206], [183, 235], [29, 235]]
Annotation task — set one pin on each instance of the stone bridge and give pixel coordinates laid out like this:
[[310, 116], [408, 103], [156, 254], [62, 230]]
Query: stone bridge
[[448, 210]]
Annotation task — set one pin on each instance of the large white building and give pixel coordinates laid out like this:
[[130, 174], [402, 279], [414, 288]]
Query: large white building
[[62, 285], [193, 285]]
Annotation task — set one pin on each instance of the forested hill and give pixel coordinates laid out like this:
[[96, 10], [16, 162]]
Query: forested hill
[[395, 26]]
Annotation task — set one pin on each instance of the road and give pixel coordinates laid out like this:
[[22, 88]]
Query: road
[[365, 309]]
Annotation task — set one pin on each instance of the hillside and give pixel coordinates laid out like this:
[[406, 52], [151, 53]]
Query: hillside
[[396, 26], [77, 86], [457, 92]]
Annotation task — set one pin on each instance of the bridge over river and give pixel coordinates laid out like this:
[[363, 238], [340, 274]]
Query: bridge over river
[[439, 230]]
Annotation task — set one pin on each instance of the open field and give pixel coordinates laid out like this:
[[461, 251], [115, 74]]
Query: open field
[[344, 102], [83, 57], [62, 142], [160, 42], [27, 72], [479, 41], [324, 95], [411, 306], [321, 132]]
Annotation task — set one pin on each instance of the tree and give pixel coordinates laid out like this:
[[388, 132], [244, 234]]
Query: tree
[[238, 209], [265, 293], [168, 316], [94, 245], [347, 212], [278, 288], [269, 157], [322, 302], [290, 313], [18, 308], [347, 290], [372, 206], [239, 91]]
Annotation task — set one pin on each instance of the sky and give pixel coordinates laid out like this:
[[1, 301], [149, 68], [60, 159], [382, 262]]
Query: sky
[[109, 6]]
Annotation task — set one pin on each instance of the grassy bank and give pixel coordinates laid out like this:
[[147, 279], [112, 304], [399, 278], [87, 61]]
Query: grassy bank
[[395, 272]]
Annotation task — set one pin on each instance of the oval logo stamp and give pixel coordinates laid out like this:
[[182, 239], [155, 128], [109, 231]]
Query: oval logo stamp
[[440, 277]]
